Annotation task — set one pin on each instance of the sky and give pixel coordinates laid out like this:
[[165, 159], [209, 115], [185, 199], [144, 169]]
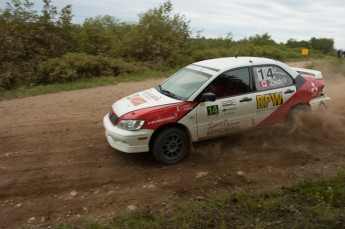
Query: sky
[[282, 19]]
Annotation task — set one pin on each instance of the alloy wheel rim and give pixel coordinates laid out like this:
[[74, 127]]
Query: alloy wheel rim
[[172, 147]]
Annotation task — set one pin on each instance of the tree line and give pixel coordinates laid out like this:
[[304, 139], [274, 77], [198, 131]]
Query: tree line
[[47, 47]]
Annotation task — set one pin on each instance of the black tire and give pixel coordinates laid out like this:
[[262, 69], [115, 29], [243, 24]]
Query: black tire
[[170, 146]]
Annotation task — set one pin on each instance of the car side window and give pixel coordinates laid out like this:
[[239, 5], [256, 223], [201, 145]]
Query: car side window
[[231, 83], [271, 77]]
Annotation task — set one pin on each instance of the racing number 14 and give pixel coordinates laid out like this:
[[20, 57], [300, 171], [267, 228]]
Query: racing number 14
[[212, 110], [268, 74]]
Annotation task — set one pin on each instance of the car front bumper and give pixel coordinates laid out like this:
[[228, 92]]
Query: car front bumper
[[127, 141]]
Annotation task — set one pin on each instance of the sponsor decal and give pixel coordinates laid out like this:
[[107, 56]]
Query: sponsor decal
[[262, 101], [173, 116], [212, 110], [263, 83], [228, 111], [269, 77], [230, 102], [222, 127], [277, 82], [313, 90], [151, 96], [183, 108], [273, 82], [136, 100], [265, 111]]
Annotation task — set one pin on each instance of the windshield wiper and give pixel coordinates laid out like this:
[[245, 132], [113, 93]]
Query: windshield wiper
[[166, 92]]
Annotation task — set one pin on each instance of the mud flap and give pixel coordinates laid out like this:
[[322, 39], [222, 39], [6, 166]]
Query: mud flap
[[321, 103]]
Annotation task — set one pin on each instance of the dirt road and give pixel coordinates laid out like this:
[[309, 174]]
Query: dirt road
[[56, 165]]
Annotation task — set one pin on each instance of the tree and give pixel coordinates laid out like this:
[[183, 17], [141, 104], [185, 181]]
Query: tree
[[15, 26], [160, 36], [28, 38], [293, 43], [326, 45], [67, 30], [260, 40], [47, 36], [102, 35]]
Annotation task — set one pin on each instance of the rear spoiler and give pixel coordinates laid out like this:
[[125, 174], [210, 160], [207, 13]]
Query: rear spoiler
[[308, 72]]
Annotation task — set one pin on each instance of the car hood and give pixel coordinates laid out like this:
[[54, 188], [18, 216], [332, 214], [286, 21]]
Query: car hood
[[141, 100]]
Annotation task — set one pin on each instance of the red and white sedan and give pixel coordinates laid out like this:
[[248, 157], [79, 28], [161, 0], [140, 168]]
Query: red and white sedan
[[208, 99]]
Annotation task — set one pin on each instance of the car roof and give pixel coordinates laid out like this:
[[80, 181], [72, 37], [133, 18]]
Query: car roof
[[226, 63]]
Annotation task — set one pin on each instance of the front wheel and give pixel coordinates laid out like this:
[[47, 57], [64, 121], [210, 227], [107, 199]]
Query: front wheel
[[170, 146]]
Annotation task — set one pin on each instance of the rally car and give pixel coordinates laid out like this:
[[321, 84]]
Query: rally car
[[209, 99]]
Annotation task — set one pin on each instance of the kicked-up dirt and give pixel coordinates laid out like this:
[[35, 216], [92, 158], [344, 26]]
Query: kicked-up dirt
[[56, 165]]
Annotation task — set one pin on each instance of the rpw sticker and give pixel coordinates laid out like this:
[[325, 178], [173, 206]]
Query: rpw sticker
[[263, 101]]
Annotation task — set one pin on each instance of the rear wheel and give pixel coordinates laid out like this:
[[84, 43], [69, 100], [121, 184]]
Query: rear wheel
[[296, 111], [170, 146]]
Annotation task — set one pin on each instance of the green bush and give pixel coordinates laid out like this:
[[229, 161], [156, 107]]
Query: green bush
[[7, 80], [75, 66], [14, 74], [199, 55], [70, 67], [246, 49]]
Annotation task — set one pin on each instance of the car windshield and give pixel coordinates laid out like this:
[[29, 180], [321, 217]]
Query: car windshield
[[183, 83]]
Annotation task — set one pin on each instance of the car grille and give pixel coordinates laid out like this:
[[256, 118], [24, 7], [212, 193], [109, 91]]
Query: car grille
[[113, 117]]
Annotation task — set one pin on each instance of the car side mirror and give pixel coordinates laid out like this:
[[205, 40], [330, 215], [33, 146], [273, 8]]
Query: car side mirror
[[208, 97]]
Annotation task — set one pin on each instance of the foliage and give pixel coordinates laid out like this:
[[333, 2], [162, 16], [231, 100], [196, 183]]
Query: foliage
[[102, 36], [159, 37], [259, 40], [32, 44], [27, 39], [293, 43], [325, 45], [76, 66]]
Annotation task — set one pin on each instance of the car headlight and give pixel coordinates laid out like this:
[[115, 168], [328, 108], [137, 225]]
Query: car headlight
[[130, 124]]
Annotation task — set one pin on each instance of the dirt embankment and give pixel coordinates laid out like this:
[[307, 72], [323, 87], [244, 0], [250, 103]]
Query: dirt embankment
[[55, 163]]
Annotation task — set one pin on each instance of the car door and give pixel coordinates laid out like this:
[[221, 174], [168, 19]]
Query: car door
[[233, 109], [274, 87]]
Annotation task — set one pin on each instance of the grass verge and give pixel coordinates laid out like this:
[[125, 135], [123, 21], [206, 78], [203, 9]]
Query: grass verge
[[82, 84], [310, 204]]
